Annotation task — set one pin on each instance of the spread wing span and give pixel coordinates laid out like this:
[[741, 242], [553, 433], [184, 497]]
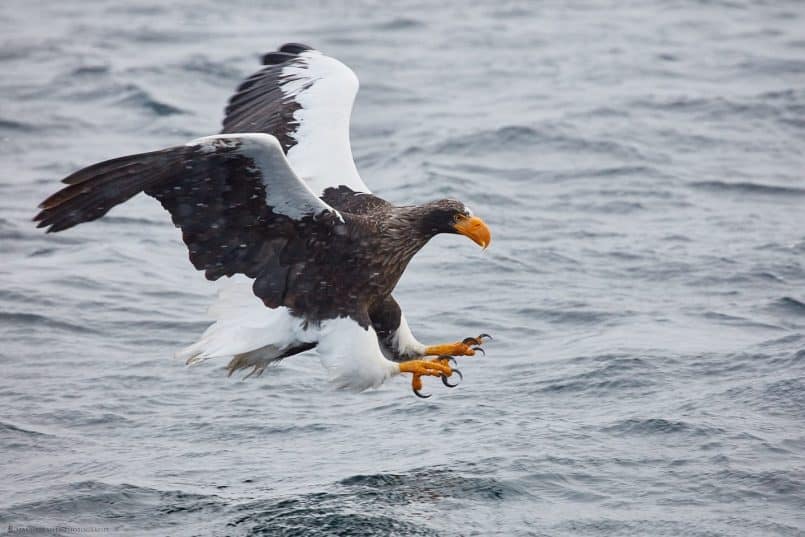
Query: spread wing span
[[303, 98], [239, 205]]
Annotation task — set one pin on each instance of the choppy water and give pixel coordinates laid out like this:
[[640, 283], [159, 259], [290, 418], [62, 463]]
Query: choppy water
[[641, 166]]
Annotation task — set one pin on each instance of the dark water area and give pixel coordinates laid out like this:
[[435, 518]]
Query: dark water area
[[641, 167]]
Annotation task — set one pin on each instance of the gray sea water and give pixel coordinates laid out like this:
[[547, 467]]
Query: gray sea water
[[641, 166]]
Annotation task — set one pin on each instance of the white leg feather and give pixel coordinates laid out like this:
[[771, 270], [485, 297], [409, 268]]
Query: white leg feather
[[352, 355]]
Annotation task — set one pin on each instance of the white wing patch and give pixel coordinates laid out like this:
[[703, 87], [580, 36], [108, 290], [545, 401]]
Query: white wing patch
[[285, 192], [325, 90]]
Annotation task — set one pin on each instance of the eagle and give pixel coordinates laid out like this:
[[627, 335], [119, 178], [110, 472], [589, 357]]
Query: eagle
[[275, 203]]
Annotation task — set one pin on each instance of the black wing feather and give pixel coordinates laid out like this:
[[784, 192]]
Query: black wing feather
[[217, 196], [259, 104]]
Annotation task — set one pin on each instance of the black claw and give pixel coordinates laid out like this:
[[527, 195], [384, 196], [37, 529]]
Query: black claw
[[448, 358], [460, 378], [480, 350], [422, 395], [476, 340]]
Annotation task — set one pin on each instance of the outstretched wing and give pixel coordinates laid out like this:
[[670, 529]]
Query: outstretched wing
[[239, 205], [304, 99]]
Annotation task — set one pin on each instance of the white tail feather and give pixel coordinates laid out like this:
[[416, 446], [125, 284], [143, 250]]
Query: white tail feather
[[243, 325], [254, 336]]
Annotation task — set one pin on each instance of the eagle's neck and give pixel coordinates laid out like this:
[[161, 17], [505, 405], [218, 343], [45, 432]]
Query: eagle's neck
[[404, 236]]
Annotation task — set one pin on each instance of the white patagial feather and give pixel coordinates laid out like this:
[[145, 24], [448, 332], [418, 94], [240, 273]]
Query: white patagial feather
[[352, 356], [325, 89], [285, 191]]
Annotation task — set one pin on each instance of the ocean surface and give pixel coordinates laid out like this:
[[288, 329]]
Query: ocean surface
[[642, 168]]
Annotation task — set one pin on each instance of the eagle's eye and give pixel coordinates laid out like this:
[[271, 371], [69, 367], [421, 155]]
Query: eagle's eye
[[458, 217]]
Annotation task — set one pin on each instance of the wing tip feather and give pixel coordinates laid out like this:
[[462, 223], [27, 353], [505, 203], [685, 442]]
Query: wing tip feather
[[286, 52], [295, 48]]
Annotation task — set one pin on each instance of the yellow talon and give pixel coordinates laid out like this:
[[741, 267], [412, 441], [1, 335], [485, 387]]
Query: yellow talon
[[434, 368], [451, 349], [420, 368], [467, 347]]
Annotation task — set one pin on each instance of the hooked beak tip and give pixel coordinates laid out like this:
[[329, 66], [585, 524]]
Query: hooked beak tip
[[475, 229]]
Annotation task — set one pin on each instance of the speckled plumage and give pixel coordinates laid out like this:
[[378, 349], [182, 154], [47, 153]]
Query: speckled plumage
[[341, 261]]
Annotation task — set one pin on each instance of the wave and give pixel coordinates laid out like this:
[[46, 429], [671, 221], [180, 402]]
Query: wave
[[431, 484], [218, 69], [140, 98], [373, 504], [749, 188], [609, 373], [568, 315], [11, 125], [786, 486], [8, 428], [735, 320], [400, 23], [527, 138], [790, 306], [27, 320], [785, 396], [98, 83], [784, 106], [111, 505], [322, 515], [661, 426]]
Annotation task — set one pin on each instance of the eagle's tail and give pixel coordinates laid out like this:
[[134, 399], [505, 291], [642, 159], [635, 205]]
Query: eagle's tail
[[247, 332]]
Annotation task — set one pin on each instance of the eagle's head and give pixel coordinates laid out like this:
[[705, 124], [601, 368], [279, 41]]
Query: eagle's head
[[451, 216]]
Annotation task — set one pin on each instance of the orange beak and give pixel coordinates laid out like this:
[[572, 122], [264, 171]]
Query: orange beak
[[476, 229]]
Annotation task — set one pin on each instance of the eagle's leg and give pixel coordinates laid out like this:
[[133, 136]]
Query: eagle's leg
[[433, 368], [466, 347]]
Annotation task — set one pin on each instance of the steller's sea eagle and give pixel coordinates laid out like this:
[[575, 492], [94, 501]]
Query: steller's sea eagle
[[276, 199]]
